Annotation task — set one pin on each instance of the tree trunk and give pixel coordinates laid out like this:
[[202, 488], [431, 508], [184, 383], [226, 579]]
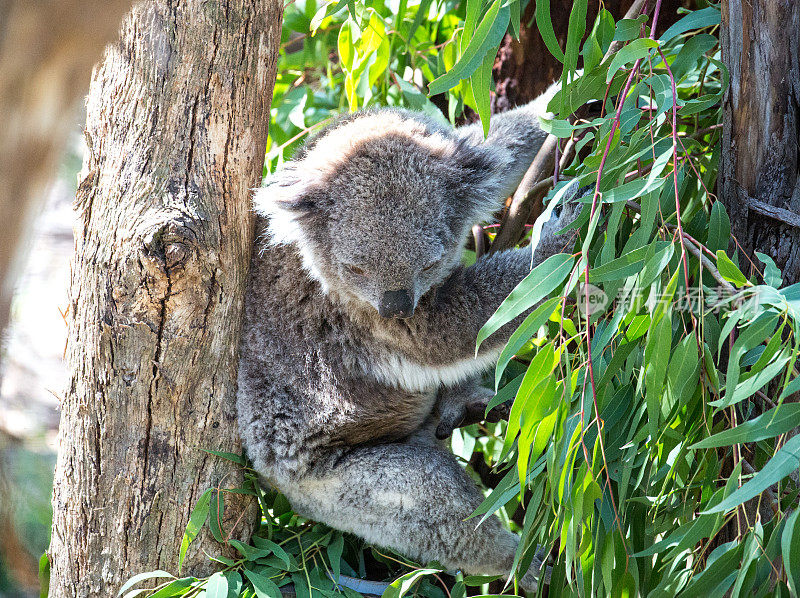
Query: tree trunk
[[47, 49], [759, 179], [176, 129]]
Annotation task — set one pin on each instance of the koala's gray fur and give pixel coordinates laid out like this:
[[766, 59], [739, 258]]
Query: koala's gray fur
[[337, 404]]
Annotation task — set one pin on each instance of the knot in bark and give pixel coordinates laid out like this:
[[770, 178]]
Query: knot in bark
[[173, 242]]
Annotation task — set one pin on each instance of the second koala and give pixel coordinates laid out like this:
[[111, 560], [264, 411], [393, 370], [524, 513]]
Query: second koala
[[360, 326]]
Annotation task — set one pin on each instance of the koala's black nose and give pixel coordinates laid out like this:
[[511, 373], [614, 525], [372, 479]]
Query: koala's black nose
[[396, 304]]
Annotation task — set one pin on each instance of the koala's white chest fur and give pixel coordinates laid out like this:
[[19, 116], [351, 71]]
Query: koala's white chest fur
[[394, 369]]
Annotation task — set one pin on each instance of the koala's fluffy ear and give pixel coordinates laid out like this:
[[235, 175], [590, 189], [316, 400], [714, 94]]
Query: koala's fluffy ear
[[287, 197], [478, 179], [285, 189]]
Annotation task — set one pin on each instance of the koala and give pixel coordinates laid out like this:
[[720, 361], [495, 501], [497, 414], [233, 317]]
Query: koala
[[358, 342]]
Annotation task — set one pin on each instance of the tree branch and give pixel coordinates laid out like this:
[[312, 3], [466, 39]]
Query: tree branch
[[527, 199], [512, 225], [694, 250]]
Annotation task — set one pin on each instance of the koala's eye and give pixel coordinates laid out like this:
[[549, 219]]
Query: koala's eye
[[429, 266], [355, 270]]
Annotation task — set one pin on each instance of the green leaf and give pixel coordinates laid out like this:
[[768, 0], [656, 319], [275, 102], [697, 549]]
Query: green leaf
[[44, 575], [541, 281], [575, 31], [775, 343], [751, 336], [698, 19], [628, 29], [275, 549], [487, 36], [533, 321], [345, 47], [141, 577], [656, 264], [581, 90], [637, 49], [301, 587], [263, 586], [700, 104], [324, 11], [545, 26], [749, 387], [400, 586], [334, 550], [622, 267], [592, 53], [777, 420], [790, 550], [772, 274], [473, 13], [657, 350], [217, 586], [784, 462], [481, 83], [533, 385], [505, 490], [718, 576], [197, 520], [719, 228], [375, 43], [514, 25], [690, 53], [234, 584], [534, 436], [641, 186], [176, 588], [250, 553], [217, 514], [684, 371], [729, 270], [753, 551]]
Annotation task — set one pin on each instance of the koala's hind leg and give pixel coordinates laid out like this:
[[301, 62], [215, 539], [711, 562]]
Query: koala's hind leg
[[412, 497]]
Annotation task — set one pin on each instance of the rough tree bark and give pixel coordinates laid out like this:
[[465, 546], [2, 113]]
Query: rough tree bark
[[176, 130], [759, 178], [47, 49]]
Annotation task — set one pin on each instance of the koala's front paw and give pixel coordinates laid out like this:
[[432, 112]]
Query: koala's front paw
[[467, 407], [568, 209]]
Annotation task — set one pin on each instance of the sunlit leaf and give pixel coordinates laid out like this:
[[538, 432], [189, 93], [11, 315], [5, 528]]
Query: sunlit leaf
[[487, 37], [541, 281]]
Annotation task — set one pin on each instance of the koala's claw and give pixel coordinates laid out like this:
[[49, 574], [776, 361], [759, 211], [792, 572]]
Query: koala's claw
[[470, 412], [497, 413]]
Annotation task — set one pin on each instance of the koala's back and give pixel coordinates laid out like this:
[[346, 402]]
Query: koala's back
[[305, 389]]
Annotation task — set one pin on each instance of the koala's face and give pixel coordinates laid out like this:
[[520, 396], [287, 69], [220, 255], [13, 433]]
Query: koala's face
[[379, 207], [389, 243]]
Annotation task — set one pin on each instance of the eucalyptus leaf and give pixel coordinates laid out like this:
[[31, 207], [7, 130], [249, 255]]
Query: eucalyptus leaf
[[774, 422], [541, 281], [784, 462], [486, 38]]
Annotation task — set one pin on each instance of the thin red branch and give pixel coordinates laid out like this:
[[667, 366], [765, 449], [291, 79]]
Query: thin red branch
[[595, 197], [675, 162]]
